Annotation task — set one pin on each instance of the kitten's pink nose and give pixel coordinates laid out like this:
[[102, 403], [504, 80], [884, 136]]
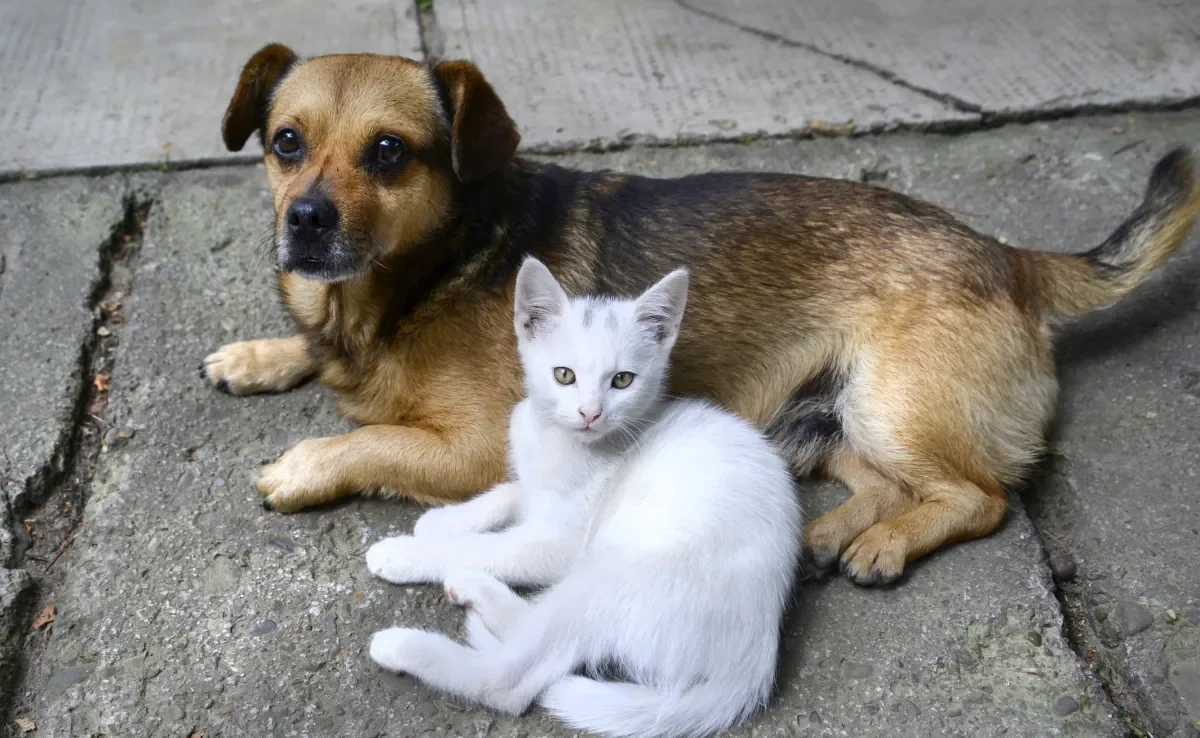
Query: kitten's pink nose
[[589, 417]]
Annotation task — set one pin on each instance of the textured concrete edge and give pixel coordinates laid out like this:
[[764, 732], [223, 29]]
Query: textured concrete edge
[[983, 120], [16, 600], [19, 590]]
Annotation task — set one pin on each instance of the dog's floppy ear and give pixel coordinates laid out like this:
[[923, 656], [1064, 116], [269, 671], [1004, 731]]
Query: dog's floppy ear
[[247, 111], [482, 136]]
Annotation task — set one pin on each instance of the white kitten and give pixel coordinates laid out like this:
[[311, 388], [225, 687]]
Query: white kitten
[[669, 530]]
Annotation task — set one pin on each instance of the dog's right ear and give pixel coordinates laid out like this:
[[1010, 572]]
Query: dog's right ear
[[247, 111], [482, 136]]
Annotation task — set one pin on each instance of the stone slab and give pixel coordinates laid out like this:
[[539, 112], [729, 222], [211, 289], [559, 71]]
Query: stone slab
[[1122, 496], [94, 83], [51, 234], [577, 73], [188, 608], [1004, 57]]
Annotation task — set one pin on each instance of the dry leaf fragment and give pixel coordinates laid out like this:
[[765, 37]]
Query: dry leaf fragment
[[44, 618], [26, 725], [101, 382], [825, 128]]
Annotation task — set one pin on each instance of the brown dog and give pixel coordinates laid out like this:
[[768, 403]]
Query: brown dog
[[873, 336]]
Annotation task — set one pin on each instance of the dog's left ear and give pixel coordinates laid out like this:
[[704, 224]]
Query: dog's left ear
[[247, 111], [483, 137]]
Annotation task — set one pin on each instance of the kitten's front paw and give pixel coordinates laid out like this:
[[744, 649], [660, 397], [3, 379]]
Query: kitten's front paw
[[397, 560], [465, 587], [397, 649], [439, 522]]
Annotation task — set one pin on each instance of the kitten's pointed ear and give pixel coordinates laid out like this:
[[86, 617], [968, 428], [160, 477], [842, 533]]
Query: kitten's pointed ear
[[661, 306], [538, 298]]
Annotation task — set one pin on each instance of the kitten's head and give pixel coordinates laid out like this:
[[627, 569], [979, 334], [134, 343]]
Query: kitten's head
[[593, 365]]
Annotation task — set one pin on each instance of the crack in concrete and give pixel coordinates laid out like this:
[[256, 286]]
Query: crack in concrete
[[1078, 629], [66, 478], [433, 41], [883, 73]]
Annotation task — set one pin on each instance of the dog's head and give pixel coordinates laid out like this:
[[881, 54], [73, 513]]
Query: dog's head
[[365, 153]]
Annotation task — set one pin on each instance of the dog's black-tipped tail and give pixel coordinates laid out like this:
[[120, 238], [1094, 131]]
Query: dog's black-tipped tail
[[1072, 284]]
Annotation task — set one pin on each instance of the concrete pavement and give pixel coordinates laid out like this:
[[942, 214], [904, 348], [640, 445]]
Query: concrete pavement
[[144, 592], [184, 609], [92, 83]]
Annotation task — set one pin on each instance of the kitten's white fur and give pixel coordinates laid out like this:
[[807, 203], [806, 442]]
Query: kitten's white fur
[[669, 530]]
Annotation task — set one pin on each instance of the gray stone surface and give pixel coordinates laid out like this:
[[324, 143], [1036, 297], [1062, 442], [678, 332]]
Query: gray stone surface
[[1002, 56], [186, 607], [98, 83], [15, 592], [577, 73], [1122, 491], [91, 83], [51, 233]]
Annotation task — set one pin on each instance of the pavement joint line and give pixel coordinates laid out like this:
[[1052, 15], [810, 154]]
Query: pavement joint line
[[1078, 630], [883, 73], [984, 122], [428, 33]]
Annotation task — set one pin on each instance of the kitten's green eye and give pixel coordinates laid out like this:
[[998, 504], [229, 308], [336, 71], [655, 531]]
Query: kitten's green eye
[[564, 375], [621, 380]]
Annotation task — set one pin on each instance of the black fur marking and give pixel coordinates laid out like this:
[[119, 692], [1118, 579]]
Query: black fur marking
[[807, 427], [1170, 185]]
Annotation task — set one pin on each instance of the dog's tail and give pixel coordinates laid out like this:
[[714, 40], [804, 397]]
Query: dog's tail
[[624, 710], [1072, 284]]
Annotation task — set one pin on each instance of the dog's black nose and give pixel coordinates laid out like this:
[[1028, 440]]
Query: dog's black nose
[[311, 217]]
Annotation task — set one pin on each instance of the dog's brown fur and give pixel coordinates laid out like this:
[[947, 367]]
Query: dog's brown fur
[[875, 337]]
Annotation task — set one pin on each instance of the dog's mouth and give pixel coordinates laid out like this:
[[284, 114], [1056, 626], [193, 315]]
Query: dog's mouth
[[332, 261]]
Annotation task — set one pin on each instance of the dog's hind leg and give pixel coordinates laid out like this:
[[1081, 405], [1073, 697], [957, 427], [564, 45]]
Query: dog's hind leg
[[949, 511], [874, 497], [944, 412]]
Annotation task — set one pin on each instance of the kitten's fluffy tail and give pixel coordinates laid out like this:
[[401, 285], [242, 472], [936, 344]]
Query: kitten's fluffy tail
[[623, 710]]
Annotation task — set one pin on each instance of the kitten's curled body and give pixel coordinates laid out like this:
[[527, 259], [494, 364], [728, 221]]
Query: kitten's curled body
[[668, 529]]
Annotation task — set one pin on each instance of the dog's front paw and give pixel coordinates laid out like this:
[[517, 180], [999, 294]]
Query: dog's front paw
[[304, 476], [399, 560], [264, 365], [877, 556], [397, 649]]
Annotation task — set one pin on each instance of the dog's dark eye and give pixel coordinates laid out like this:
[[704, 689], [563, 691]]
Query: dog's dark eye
[[390, 152], [287, 143]]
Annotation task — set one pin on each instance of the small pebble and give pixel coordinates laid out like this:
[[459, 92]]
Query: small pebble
[[282, 543], [1034, 637], [954, 712], [1133, 618], [176, 712], [814, 718], [1063, 567], [858, 671], [1065, 705], [964, 658]]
